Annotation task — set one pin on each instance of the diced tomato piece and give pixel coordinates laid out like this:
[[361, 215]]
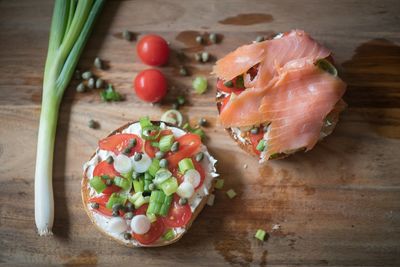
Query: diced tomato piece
[[178, 215], [151, 150], [102, 199], [255, 139], [188, 146], [224, 101], [200, 169], [103, 210], [221, 87], [118, 142], [157, 229], [104, 168]]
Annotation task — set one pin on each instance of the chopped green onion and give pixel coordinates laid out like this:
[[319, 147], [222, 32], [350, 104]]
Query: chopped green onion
[[219, 183], [197, 131], [141, 201], [166, 142], [260, 234], [97, 184], [169, 186], [161, 176], [115, 198], [231, 193], [154, 167], [72, 22], [169, 235], [327, 66], [185, 164], [122, 182], [151, 132], [145, 122], [138, 185], [135, 197], [159, 203], [261, 145], [110, 94], [155, 144], [152, 217], [200, 85], [148, 179], [172, 116]]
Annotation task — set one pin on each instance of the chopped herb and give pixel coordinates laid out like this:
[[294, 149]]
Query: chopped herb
[[239, 81], [231, 193], [219, 183], [260, 234], [110, 94]]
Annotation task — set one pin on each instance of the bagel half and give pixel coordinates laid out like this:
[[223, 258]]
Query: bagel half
[[198, 200]]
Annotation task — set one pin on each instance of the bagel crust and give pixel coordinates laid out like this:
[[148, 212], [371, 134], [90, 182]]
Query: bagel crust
[[87, 192]]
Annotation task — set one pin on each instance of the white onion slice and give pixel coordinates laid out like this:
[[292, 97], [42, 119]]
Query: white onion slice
[[142, 165], [117, 225], [192, 176], [122, 163], [185, 190], [140, 224]]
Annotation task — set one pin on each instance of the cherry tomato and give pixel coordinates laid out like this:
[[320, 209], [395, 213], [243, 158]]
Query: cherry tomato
[[150, 85], [180, 177], [188, 146], [102, 201], [178, 216], [151, 150], [118, 142], [104, 168], [157, 229], [255, 139], [153, 50], [221, 87]]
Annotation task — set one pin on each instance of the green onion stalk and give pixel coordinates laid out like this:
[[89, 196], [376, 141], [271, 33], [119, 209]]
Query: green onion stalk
[[71, 25]]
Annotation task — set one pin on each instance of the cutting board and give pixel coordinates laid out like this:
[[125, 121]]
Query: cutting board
[[338, 204]]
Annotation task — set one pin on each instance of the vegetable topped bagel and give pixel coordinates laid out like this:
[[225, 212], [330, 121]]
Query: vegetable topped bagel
[[147, 182], [279, 96]]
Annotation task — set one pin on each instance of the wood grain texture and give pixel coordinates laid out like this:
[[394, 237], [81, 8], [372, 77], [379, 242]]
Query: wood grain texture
[[338, 204]]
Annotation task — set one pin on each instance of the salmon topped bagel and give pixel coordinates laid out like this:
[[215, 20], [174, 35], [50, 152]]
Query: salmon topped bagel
[[279, 96]]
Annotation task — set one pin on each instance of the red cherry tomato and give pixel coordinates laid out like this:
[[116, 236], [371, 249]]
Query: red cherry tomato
[[150, 85], [188, 146], [104, 168], [102, 201], [151, 150], [118, 142], [178, 216], [179, 176], [157, 229], [153, 50], [255, 139]]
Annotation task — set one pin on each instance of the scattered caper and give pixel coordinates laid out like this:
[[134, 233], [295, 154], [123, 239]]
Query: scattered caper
[[91, 83], [181, 100], [132, 142], [259, 38], [199, 156], [99, 83], [129, 206], [152, 187], [183, 201], [80, 88], [175, 146], [160, 154], [199, 39], [202, 122], [129, 215], [95, 205], [145, 194], [228, 84], [183, 71], [254, 130], [205, 57], [92, 124], [213, 38], [164, 163], [87, 75], [127, 35], [197, 57], [137, 157], [115, 213], [127, 150], [97, 63], [127, 236], [110, 160]]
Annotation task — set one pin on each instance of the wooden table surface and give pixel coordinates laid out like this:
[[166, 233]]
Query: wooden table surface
[[336, 205]]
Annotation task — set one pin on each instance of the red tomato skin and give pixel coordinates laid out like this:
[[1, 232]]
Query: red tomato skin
[[188, 146], [223, 88], [118, 142], [255, 138], [153, 50], [178, 216], [151, 150], [150, 85], [104, 168], [156, 231]]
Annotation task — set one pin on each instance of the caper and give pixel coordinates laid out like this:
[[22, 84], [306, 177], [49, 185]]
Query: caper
[[137, 157], [91, 83], [254, 130], [129, 215], [109, 182], [183, 201], [164, 163], [175, 146], [213, 38], [132, 142], [199, 156], [127, 35], [110, 160], [160, 154], [205, 57], [129, 206], [181, 100], [202, 122], [95, 205], [197, 57], [92, 124], [127, 150], [97, 63], [183, 71], [127, 236], [145, 194], [117, 206], [87, 75], [199, 39], [228, 84], [259, 39], [99, 83], [152, 187], [115, 213], [80, 88]]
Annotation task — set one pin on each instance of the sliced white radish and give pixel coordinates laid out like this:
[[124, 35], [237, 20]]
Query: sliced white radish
[[140, 224], [192, 176], [185, 190], [122, 163], [142, 165], [117, 225]]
